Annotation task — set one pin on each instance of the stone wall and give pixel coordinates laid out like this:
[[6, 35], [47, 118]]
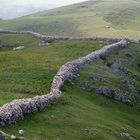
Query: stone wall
[[70, 70], [41, 36], [17, 109]]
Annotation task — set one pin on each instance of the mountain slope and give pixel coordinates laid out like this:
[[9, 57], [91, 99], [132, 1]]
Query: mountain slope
[[82, 113], [91, 18]]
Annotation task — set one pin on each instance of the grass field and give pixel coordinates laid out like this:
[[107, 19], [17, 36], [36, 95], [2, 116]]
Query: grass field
[[34, 64], [83, 114], [92, 18]]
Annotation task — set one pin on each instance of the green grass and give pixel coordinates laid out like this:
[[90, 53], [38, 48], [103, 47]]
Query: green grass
[[91, 18], [83, 115]]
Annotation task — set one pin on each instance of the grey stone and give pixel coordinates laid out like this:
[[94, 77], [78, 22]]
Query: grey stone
[[13, 137], [2, 137], [125, 134], [99, 78], [18, 48], [116, 94], [21, 132], [132, 138], [124, 129]]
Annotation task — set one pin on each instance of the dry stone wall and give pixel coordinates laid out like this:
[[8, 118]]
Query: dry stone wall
[[16, 110], [41, 36], [70, 70]]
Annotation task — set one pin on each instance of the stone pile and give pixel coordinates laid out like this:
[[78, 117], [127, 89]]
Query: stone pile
[[5, 136], [115, 94], [17, 109]]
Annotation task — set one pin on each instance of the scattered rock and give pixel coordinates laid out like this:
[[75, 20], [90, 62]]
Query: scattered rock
[[13, 137], [124, 134], [21, 132], [99, 78], [129, 85], [2, 137], [116, 94], [122, 71], [89, 84], [18, 48], [124, 130], [43, 44], [46, 41]]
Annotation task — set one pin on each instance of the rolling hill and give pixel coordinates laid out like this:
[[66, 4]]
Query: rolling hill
[[82, 113], [91, 18]]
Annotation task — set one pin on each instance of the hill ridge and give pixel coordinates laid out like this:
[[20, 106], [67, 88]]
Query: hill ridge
[[90, 18]]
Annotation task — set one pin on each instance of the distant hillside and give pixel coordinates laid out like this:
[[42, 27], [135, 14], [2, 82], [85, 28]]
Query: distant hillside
[[91, 18], [16, 11]]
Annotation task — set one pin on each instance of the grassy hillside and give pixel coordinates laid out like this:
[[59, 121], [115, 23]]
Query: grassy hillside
[[91, 18], [82, 114], [22, 71]]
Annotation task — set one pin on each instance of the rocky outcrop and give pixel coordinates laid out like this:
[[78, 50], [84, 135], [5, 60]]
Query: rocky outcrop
[[20, 136], [17, 109], [115, 94], [120, 70]]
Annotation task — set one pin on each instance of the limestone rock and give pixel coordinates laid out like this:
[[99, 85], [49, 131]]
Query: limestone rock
[[18, 48], [21, 132], [13, 137]]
